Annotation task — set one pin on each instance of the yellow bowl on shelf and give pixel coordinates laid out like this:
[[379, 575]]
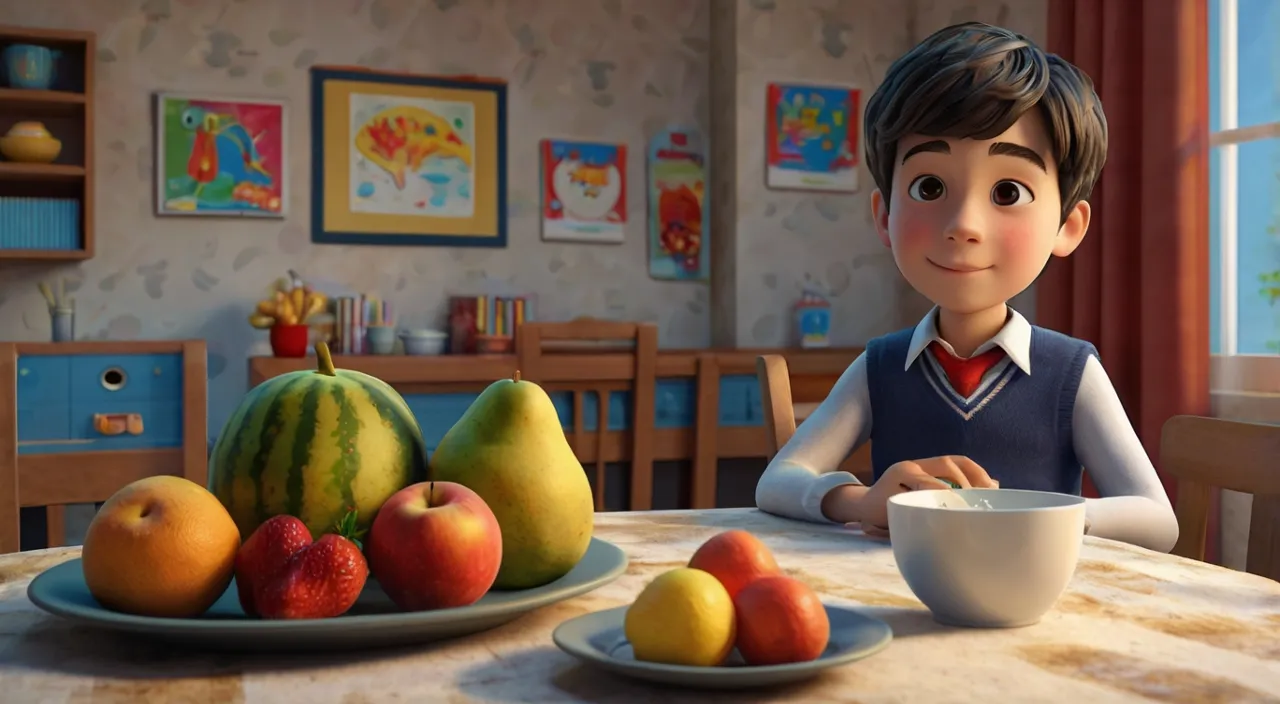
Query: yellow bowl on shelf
[[31, 143]]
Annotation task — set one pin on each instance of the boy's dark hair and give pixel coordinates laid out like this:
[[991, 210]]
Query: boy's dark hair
[[973, 80]]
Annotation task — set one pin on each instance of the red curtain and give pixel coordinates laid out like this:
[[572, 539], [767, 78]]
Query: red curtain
[[1138, 286]]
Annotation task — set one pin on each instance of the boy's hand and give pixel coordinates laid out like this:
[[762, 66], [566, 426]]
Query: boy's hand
[[873, 509]]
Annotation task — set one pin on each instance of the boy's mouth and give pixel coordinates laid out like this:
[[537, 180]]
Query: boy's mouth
[[958, 268]]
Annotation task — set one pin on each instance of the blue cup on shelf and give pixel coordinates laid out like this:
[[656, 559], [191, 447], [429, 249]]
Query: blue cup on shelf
[[29, 66], [382, 339]]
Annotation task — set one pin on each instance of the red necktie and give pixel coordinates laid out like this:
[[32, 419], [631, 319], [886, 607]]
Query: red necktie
[[965, 374]]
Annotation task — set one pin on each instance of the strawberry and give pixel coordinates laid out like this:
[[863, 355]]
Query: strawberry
[[321, 579], [266, 552]]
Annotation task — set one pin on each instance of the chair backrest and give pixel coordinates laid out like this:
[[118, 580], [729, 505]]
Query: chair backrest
[[1202, 453], [775, 401], [600, 357]]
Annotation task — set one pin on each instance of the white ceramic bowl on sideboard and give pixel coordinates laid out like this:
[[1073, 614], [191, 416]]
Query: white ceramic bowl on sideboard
[[986, 558]]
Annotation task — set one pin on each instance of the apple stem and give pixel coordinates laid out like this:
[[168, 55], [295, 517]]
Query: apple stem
[[516, 376], [324, 362], [431, 492]]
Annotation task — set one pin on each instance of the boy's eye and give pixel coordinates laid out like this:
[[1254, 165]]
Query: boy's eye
[[926, 188], [1008, 193]]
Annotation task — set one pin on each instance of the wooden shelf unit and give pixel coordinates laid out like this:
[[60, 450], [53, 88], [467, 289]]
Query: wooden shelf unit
[[66, 110]]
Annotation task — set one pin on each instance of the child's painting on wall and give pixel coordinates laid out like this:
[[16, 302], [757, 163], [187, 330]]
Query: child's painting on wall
[[219, 156], [411, 156], [812, 138], [584, 192], [679, 222]]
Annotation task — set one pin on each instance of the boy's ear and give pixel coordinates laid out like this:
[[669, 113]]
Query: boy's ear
[[1072, 231], [880, 214]]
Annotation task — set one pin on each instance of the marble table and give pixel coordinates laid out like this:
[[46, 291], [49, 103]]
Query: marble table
[[1134, 626]]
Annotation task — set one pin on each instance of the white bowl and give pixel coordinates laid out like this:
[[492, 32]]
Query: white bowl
[[986, 558], [423, 342]]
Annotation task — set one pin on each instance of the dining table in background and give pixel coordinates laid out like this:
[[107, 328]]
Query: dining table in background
[[1133, 626]]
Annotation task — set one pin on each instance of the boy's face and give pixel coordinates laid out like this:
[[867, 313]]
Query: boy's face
[[973, 222]]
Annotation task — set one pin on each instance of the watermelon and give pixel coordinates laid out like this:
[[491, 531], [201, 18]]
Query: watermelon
[[316, 444]]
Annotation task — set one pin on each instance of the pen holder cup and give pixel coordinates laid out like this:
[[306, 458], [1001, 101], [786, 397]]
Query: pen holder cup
[[64, 324]]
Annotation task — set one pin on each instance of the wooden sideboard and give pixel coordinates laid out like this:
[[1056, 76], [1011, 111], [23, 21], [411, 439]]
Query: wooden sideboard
[[707, 406], [79, 420]]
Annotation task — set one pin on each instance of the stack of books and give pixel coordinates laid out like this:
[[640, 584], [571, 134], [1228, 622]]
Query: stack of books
[[353, 315], [486, 315]]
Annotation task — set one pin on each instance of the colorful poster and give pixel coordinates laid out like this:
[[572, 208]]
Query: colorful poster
[[584, 193], [220, 156], [411, 156], [812, 138], [679, 221]]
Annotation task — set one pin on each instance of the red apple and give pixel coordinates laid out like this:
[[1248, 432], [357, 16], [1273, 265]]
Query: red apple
[[780, 620], [435, 545]]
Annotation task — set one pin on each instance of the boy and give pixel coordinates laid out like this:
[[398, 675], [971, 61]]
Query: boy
[[983, 149]]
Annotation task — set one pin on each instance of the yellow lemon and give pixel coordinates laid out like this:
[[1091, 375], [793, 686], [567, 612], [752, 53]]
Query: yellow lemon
[[683, 617]]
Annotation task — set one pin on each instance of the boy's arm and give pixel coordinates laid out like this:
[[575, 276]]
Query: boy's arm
[[1134, 507], [803, 471]]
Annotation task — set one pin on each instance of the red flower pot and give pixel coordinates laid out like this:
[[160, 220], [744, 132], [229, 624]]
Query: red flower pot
[[289, 340]]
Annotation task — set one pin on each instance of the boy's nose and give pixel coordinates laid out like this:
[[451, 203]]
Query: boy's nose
[[963, 234], [965, 224]]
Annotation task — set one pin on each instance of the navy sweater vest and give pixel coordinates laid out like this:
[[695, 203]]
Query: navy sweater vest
[[1016, 426]]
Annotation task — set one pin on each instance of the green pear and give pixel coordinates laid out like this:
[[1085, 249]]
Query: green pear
[[510, 448]]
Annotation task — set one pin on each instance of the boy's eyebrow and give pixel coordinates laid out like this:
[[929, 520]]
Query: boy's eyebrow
[[1019, 151], [938, 146]]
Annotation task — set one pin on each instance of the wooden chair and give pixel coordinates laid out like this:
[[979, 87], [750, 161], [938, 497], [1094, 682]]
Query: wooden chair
[[775, 401], [55, 480], [600, 357], [780, 413], [1202, 453]]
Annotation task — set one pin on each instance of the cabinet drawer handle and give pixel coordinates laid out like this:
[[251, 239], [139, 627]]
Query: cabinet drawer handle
[[117, 423]]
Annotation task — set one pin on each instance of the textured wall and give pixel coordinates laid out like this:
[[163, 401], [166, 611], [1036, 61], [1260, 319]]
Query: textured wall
[[603, 69]]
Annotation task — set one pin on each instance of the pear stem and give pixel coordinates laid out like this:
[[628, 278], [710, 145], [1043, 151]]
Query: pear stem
[[324, 361], [516, 376], [431, 490]]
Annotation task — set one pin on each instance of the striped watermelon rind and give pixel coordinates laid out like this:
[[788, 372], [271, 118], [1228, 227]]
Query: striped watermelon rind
[[316, 444]]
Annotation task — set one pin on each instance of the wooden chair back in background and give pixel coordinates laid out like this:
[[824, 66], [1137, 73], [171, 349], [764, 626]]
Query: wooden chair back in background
[[780, 408], [577, 357]]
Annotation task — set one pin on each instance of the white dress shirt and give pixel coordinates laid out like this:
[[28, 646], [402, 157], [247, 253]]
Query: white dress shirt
[[1134, 507]]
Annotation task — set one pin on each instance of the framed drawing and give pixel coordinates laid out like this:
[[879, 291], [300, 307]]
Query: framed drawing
[[399, 159], [584, 191], [811, 137], [221, 156]]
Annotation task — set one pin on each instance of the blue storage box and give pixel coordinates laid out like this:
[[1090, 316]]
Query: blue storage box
[[40, 223]]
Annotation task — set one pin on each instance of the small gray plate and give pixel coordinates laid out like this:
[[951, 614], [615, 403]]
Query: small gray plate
[[597, 639], [373, 622]]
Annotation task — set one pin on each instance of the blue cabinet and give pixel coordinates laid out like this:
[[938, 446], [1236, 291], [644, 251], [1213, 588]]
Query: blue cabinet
[[60, 395]]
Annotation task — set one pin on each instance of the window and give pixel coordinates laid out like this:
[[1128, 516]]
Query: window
[[1244, 210]]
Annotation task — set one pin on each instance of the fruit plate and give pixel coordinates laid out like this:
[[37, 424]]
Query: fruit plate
[[372, 622], [597, 639]]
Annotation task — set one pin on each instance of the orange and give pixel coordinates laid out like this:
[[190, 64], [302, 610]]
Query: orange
[[161, 546], [736, 558]]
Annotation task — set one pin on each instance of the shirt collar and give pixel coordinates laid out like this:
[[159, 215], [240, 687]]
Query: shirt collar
[[1014, 338]]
